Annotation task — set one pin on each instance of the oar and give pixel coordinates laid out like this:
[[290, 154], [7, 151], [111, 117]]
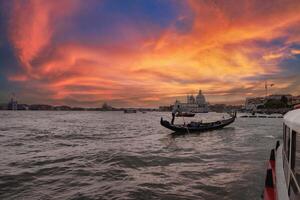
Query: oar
[[187, 130], [186, 126]]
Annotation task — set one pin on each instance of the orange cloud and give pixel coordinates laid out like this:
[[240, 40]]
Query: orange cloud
[[216, 55], [295, 51], [19, 77], [31, 26]]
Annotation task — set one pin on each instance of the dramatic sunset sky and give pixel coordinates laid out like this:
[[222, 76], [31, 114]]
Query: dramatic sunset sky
[[147, 52]]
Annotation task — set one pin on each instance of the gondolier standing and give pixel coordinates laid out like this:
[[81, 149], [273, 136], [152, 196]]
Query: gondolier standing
[[174, 111]]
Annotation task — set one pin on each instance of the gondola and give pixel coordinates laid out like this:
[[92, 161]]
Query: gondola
[[197, 126]]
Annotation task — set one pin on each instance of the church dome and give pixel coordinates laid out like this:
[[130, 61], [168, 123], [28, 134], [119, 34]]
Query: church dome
[[200, 99]]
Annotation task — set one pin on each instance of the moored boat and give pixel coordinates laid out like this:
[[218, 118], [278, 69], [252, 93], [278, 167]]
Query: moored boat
[[185, 114], [262, 116], [197, 126], [130, 111], [283, 172]]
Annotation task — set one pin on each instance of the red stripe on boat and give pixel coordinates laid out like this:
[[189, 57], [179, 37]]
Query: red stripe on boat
[[270, 191], [269, 194]]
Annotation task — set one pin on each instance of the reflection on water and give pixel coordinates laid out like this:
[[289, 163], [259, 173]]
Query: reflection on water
[[111, 155]]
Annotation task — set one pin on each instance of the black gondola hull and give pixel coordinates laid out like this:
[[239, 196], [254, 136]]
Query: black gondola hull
[[184, 129]]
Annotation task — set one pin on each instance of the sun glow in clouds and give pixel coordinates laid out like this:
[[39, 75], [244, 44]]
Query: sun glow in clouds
[[149, 53]]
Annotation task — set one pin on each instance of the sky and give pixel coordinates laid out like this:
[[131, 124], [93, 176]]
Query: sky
[[147, 53]]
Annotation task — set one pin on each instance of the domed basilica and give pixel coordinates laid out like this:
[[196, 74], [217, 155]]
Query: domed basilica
[[195, 105]]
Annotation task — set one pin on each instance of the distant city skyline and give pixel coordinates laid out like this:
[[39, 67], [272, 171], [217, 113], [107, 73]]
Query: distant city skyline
[[147, 53]]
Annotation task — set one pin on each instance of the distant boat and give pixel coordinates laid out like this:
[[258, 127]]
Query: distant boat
[[130, 111], [261, 116], [197, 126], [185, 114]]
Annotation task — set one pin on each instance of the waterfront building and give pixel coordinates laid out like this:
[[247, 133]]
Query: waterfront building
[[23, 107], [280, 97], [295, 100], [253, 103], [61, 108], [165, 108], [194, 105], [13, 104], [106, 107], [40, 107]]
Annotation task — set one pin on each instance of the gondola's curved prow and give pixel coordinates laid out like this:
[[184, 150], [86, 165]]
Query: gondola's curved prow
[[197, 127]]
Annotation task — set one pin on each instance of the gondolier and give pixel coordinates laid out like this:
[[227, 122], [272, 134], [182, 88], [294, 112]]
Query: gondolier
[[174, 111]]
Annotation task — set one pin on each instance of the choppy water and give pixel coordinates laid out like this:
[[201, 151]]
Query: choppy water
[[111, 155]]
